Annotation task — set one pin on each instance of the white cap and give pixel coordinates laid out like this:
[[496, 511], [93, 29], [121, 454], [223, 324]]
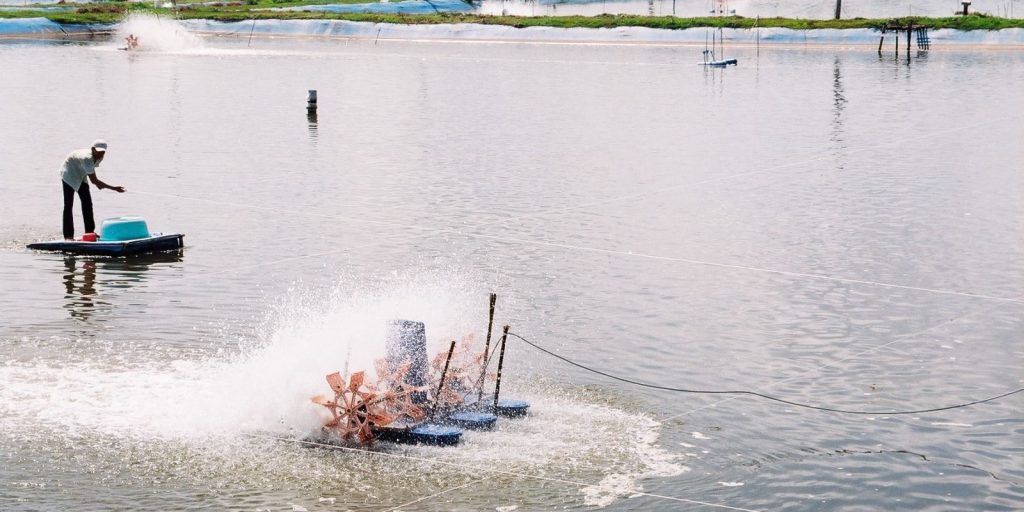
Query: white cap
[[99, 145]]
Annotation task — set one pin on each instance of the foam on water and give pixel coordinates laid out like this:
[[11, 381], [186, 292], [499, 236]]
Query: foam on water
[[196, 404]]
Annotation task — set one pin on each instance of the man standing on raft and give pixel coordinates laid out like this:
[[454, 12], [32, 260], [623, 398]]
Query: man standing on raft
[[77, 166]]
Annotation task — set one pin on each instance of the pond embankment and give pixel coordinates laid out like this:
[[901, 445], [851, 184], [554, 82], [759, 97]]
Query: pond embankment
[[297, 22]]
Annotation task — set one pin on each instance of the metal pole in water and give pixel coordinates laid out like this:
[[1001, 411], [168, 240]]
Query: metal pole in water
[[910, 27], [440, 386], [487, 346], [501, 362], [311, 99], [705, 46]]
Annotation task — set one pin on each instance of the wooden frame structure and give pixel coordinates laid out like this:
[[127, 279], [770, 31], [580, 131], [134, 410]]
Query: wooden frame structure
[[898, 28]]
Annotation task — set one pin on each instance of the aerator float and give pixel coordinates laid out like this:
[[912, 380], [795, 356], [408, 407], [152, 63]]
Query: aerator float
[[413, 401]]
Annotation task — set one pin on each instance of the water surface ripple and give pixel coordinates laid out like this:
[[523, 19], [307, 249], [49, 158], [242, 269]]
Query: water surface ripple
[[820, 224]]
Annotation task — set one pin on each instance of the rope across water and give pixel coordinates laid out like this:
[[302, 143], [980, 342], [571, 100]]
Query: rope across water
[[755, 393]]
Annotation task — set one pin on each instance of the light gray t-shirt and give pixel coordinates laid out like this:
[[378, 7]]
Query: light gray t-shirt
[[76, 167]]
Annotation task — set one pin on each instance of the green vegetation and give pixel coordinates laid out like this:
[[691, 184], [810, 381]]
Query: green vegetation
[[112, 12]]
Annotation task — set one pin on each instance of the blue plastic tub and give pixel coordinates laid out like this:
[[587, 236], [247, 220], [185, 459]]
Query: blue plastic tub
[[124, 228]]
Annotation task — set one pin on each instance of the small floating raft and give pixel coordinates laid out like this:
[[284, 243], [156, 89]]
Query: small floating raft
[[720, 63], [153, 243], [121, 236], [710, 59]]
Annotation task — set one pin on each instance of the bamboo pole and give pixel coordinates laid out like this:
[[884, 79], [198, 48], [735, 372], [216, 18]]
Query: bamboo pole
[[487, 347], [440, 386], [501, 362]]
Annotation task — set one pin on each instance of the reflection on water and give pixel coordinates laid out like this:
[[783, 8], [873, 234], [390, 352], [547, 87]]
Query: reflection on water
[[85, 278], [838, 102], [838, 105], [80, 287], [714, 78], [311, 118]]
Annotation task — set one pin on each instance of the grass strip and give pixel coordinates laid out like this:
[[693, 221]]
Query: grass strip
[[113, 12]]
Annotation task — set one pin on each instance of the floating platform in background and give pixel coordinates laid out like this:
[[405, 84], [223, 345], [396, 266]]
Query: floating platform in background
[[154, 243], [428, 433], [720, 63]]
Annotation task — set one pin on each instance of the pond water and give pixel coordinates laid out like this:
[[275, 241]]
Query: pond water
[[819, 224]]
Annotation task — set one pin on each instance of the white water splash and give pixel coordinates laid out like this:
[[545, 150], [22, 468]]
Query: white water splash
[[266, 389], [217, 401], [156, 34]]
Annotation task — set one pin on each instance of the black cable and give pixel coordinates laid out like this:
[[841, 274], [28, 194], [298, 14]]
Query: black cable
[[754, 393]]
